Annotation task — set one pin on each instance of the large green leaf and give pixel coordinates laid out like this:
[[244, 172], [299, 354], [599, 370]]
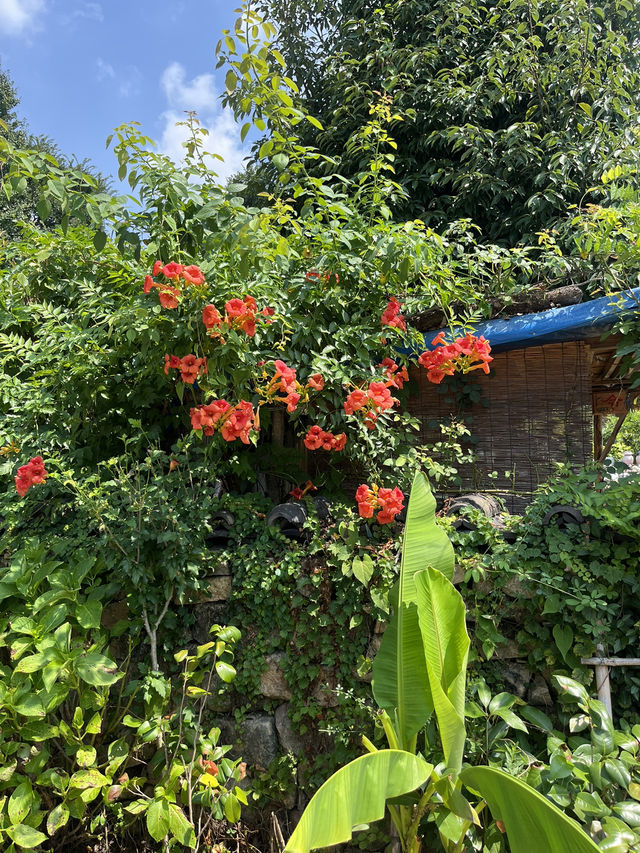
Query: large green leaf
[[356, 795], [400, 683], [528, 817], [441, 615]]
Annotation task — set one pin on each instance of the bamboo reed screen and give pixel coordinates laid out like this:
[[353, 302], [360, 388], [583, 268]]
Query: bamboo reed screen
[[539, 413]]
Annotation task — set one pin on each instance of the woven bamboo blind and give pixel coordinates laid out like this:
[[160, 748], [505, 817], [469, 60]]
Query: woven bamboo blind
[[539, 413]]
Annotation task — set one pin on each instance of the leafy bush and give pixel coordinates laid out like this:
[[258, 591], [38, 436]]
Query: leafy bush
[[563, 588], [73, 756]]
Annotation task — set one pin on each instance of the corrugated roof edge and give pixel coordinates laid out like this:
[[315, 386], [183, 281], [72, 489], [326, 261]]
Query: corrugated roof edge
[[556, 325]]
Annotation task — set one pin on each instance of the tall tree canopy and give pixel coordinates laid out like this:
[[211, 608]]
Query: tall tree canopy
[[26, 205], [509, 110]]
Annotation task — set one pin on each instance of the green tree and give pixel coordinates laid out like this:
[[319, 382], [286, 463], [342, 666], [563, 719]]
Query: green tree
[[25, 205], [508, 111]]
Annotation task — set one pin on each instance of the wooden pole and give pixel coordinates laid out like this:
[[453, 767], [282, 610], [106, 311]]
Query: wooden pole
[[612, 437], [597, 436], [603, 683]]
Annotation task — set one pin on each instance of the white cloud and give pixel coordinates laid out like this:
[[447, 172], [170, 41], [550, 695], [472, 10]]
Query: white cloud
[[16, 16], [89, 11], [199, 95], [126, 80], [106, 71]]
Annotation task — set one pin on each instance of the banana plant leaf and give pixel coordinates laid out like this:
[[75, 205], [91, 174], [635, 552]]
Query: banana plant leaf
[[441, 615], [530, 820], [400, 683], [356, 795]]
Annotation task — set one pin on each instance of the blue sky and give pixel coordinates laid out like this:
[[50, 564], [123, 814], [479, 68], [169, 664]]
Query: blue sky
[[81, 68]]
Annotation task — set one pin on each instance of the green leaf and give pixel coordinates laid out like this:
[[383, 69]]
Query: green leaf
[[526, 814], [20, 802], [537, 718], [30, 706], [99, 240], [629, 811], [232, 809], [441, 615], [314, 121], [84, 779], [32, 663], [225, 671], [89, 614], [572, 688], [356, 795], [86, 756], [501, 700], [97, 670], [7, 772], [44, 208], [280, 161], [26, 836], [57, 818], [38, 731], [511, 719], [362, 569], [158, 815], [400, 682], [617, 772], [180, 827], [563, 635], [117, 752]]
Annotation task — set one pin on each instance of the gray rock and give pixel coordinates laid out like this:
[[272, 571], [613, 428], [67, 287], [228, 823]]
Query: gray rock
[[259, 741], [507, 651], [219, 588], [272, 681], [458, 575], [539, 693], [517, 677], [228, 732], [207, 614], [516, 588], [290, 741]]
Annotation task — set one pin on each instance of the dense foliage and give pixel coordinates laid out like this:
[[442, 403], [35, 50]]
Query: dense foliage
[[505, 113], [562, 588], [122, 333]]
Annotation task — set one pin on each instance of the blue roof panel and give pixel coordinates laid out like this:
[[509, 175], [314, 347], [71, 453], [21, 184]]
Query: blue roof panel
[[569, 323]]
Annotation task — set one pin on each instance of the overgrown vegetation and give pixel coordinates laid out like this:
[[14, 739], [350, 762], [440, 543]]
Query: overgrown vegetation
[[108, 348]]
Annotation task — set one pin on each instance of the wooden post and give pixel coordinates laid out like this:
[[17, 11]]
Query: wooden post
[[603, 683], [612, 437], [597, 436], [603, 666]]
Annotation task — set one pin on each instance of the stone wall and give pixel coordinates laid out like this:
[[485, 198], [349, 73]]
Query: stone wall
[[267, 732]]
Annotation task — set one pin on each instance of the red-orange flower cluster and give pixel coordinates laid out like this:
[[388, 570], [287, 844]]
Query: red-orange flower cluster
[[30, 474], [231, 421], [299, 493], [387, 502], [461, 356], [377, 398], [168, 294], [189, 366], [391, 316], [318, 439], [239, 314], [325, 276], [396, 375], [284, 381]]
